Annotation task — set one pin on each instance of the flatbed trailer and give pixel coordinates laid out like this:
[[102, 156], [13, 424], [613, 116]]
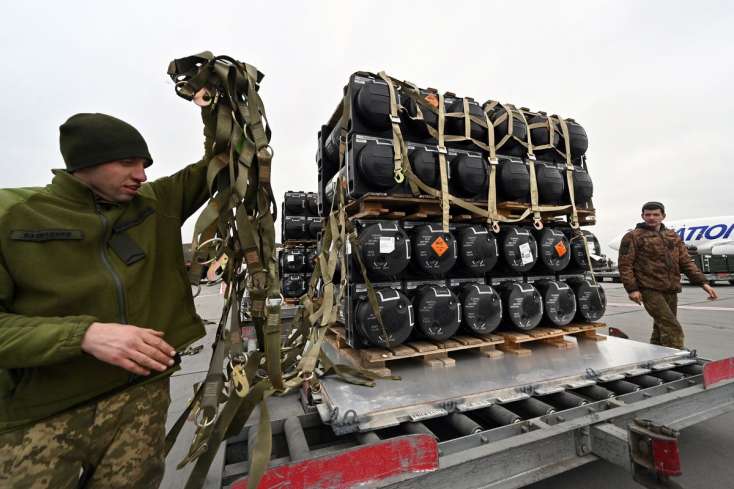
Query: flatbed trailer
[[613, 276], [491, 422]]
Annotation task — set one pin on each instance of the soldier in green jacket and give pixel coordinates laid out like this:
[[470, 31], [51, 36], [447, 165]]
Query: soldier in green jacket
[[94, 303], [651, 259]]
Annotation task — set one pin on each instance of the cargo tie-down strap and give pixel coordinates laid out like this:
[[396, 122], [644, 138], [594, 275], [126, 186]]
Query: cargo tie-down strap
[[319, 307], [401, 153], [236, 232], [434, 103]]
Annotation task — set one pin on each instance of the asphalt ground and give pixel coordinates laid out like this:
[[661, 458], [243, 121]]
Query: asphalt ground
[[705, 448]]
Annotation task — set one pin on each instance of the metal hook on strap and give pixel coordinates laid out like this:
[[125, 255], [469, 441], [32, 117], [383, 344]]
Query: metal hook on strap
[[203, 421], [537, 223], [208, 242], [270, 150], [399, 175], [495, 227], [184, 90], [239, 380]]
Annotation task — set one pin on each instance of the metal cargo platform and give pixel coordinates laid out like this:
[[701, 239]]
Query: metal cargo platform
[[477, 381]]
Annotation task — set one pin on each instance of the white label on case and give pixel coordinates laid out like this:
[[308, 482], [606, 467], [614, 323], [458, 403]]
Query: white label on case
[[525, 255], [387, 244]]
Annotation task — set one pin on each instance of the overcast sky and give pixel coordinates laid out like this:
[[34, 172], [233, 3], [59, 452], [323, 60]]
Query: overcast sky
[[651, 81]]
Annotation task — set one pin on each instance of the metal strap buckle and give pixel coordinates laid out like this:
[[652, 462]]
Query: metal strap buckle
[[202, 421], [494, 161], [395, 119], [192, 350], [442, 150], [273, 301], [531, 157], [184, 90]]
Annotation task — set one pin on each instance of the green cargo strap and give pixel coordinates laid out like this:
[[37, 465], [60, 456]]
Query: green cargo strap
[[468, 120], [258, 464], [335, 240], [214, 381], [551, 133], [400, 153], [213, 385], [237, 223], [442, 152], [183, 417], [492, 216], [508, 116], [578, 234], [371, 295], [354, 375], [412, 91], [537, 221], [242, 408], [273, 342], [325, 266], [202, 438], [569, 174]]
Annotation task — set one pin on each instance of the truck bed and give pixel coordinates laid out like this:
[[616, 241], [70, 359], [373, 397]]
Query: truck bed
[[546, 445]]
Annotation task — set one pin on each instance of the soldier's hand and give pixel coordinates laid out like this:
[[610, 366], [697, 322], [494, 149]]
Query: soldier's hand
[[711, 292], [137, 350], [636, 297]]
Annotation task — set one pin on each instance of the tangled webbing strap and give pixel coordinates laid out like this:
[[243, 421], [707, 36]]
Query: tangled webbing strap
[[236, 232]]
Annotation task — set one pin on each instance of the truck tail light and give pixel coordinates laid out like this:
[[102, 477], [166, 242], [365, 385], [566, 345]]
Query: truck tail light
[[666, 456], [715, 372]]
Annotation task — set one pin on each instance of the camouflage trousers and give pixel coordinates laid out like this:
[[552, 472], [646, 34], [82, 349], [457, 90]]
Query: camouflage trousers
[[117, 442], [662, 306]]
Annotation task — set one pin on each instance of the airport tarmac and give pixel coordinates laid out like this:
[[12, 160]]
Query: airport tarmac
[[705, 448]]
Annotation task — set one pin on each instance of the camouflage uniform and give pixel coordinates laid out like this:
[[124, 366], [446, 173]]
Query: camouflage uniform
[[118, 441], [651, 262]]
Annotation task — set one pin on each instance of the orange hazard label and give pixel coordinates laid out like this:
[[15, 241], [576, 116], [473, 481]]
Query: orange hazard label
[[560, 248], [432, 99], [439, 246]]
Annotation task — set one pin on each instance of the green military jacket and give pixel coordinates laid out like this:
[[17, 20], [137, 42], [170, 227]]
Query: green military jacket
[[654, 260], [59, 273]]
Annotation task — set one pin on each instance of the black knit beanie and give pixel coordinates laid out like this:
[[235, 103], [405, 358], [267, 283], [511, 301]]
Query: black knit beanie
[[92, 139]]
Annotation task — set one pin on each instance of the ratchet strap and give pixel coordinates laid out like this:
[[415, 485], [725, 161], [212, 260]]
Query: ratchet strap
[[235, 232]]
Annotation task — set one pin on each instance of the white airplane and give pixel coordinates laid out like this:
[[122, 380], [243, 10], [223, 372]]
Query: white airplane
[[710, 235]]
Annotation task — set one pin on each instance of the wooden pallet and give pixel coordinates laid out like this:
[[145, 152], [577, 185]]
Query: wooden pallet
[[425, 207], [516, 341], [432, 353]]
